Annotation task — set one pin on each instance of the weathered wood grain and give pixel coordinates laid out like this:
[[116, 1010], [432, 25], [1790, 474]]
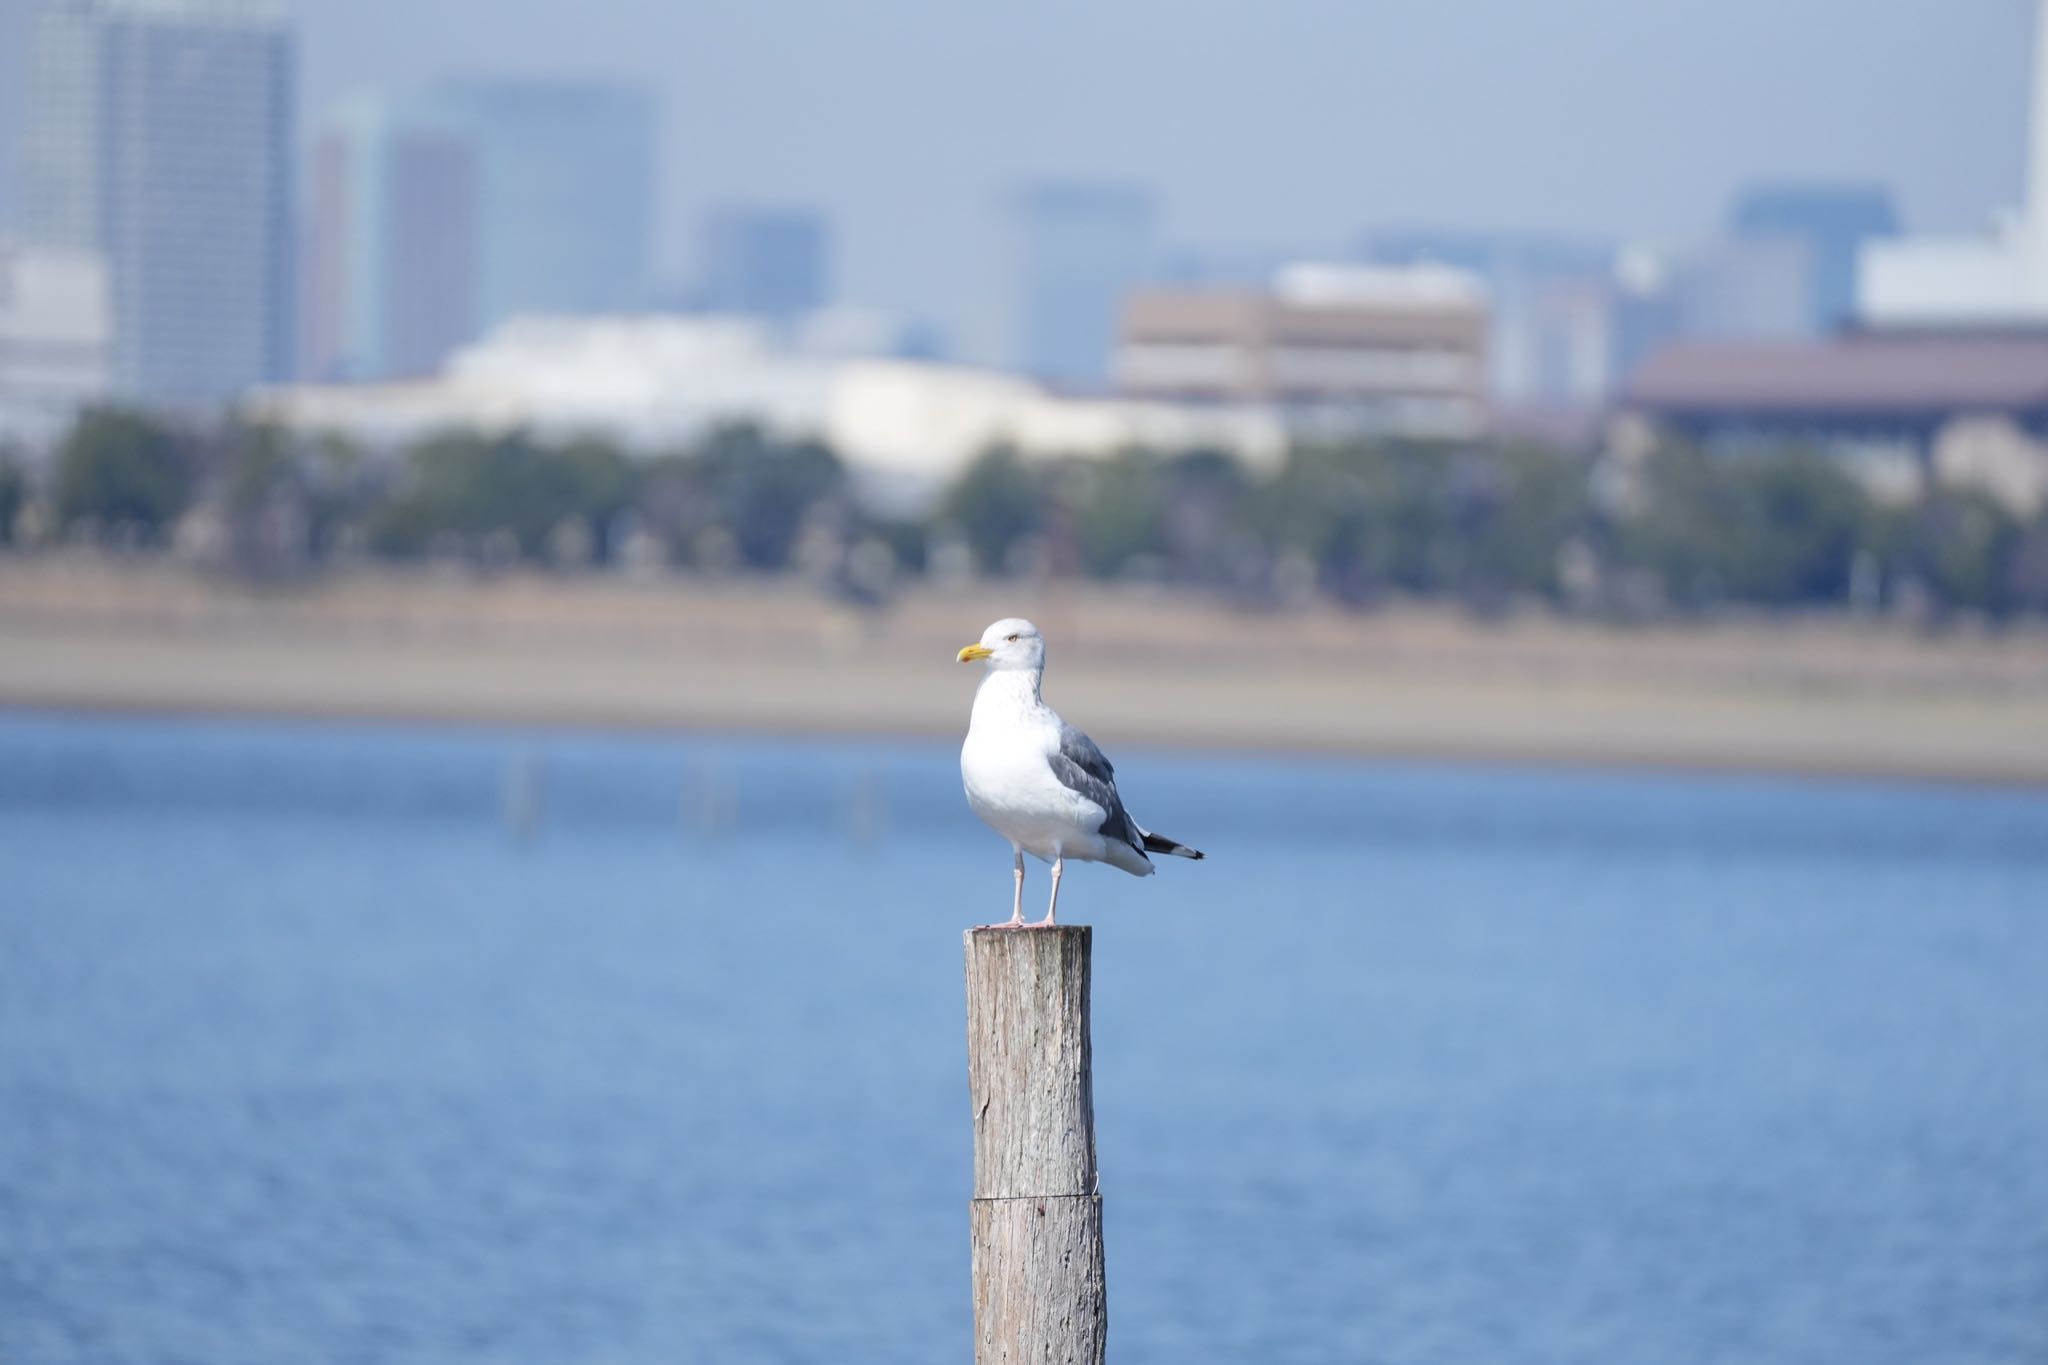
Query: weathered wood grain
[[1037, 1213], [1039, 1294], [1029, 1067]]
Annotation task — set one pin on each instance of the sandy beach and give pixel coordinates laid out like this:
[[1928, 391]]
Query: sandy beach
[[1823, 697]]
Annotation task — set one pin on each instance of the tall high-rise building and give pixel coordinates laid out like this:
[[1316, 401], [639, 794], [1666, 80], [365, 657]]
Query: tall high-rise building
[[14, 53], [565, 192], [391, 250], [765, 262], [1832, 222], [1080, 248], [159, 135]]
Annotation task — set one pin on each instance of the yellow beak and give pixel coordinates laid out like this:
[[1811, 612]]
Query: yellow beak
[[973, 652]]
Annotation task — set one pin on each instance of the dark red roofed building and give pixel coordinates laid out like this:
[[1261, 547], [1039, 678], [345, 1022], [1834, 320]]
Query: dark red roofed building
[[1898, 407]]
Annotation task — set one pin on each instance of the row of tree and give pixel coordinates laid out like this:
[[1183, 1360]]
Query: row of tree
[[1493, 523], [259, 498], [1487, 524]]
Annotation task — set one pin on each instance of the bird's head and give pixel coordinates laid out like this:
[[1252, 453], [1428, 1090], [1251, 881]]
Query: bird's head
[[1009, 643]]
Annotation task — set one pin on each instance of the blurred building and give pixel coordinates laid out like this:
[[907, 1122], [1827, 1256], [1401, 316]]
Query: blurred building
[[1078, 249], [1898, 409], [391, 243], [851, 332], [1949, 281], [564, 192], [432, 218], [1944, 380], [1248, 267], [54, 339], [1330, 348], [159, 135], [1572, 318], [1552, 342], [1832, 224], [771, 263], [1754, 289], [1569, 343], [654, 382], [1997, 278], [1645, 317], [14, 78]]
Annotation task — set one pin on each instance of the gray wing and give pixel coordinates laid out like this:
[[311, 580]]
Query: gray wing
[[1081, 767]]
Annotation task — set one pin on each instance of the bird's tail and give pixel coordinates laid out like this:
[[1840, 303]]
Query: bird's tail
[[1159, 843]]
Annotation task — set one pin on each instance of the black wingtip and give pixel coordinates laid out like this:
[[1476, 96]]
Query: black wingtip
[[1155, 843]]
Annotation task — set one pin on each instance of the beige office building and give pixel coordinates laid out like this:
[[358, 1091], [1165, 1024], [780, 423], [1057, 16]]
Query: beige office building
[[1336, 349]]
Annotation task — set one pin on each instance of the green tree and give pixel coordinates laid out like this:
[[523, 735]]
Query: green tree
[[594, 481], [341, 490], [996, 502], [1778, 529], [1371, 515], [672, 502], [1513, 515], [13, 493], [1963, 545], [1118, 509], [762, 489], [258, 465], [474, 487], [2027, 569], [1316, 504], [1803, 519], [1205, 496], [118, 467], [262, 494]]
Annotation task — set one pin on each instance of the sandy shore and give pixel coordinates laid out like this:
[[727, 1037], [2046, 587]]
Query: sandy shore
[[1828, 697]]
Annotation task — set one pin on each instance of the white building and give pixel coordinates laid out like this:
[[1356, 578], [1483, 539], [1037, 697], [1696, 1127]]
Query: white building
[[54, 339], [1998, 279], [655, 382], [1947, 281]]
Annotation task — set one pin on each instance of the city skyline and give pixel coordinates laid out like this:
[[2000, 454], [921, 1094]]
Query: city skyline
[[908, 125], [481, 193], [161, 140], [432, 217]]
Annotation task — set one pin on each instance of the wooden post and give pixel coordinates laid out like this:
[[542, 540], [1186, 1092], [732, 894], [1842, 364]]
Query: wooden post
[[1037, 1212]]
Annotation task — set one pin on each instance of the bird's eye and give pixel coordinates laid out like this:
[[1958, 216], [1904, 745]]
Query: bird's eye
[[1011, 639]]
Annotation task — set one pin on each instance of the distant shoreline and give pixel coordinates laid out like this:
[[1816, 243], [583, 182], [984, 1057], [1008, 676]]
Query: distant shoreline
[[1609, 765], [1832, 700]]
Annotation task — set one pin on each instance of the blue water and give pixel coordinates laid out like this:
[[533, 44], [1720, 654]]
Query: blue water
[[335, 1044]]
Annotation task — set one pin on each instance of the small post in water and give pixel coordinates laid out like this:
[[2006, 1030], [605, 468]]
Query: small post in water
[[1036, 1219]]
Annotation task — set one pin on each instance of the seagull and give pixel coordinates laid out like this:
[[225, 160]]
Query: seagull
[[1038, 781]]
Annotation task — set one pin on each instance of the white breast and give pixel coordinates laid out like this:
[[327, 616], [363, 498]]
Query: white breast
[[1005, 768]]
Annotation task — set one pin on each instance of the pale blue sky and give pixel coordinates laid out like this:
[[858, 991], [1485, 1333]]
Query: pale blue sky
[[1285, 122]]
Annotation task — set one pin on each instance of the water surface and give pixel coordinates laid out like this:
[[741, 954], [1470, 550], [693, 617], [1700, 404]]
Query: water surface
[[331, 1044]]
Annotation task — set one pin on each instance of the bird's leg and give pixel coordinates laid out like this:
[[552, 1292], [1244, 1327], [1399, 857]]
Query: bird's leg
[[1016, 920], [1058, 864]]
